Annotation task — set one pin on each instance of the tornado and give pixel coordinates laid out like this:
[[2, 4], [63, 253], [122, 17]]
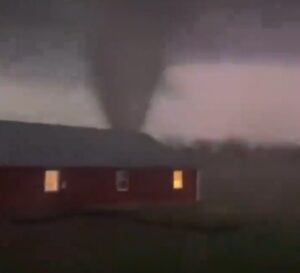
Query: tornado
[[126, 45]]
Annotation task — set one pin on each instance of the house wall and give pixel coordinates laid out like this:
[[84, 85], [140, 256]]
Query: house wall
[[93, 187], [22, 192], [22, 189]]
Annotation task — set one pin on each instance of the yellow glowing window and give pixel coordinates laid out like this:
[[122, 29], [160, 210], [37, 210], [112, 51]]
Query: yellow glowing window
[[51, 183], [177, 180]]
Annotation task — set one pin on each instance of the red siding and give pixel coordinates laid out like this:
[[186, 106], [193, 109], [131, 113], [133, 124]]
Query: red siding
[[21, 192], [22, 189], [96, 187]]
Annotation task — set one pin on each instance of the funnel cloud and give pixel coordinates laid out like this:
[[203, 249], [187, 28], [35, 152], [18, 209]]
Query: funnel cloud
[[126, 46]]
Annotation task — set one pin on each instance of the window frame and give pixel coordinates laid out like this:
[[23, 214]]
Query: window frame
[[122, 176]]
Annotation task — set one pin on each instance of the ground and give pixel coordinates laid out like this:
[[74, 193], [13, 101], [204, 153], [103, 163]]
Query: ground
[[110, 243]]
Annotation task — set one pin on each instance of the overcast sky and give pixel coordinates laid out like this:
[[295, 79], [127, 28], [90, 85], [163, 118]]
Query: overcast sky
[[230, 75]]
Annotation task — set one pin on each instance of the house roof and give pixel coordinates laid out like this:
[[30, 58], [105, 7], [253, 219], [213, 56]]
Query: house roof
[[28, 144]]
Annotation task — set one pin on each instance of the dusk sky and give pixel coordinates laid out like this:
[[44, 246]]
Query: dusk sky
[[228, 74]]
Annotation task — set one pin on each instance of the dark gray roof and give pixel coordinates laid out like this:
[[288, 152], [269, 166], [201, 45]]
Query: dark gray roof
[[27, 144]]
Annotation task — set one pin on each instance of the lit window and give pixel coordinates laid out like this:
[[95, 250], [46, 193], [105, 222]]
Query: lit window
[[51, 183], [177, 180], [122, 181]]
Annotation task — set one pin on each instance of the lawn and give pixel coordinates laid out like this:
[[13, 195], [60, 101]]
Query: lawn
[[97, 243]]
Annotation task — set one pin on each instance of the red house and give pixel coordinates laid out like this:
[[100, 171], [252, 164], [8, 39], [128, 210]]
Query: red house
[[54, 169]]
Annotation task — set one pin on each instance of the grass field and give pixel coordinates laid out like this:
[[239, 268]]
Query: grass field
[[94, 243]]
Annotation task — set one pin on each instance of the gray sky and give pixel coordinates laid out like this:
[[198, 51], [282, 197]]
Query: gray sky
[[229, 75]]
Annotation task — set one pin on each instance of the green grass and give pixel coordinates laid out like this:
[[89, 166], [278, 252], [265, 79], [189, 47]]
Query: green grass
[[100, 244]]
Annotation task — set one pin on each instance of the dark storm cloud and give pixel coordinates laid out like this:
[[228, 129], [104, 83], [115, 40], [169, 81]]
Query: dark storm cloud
[[124, 51], [229, 31], [124, 43], [34, 34]]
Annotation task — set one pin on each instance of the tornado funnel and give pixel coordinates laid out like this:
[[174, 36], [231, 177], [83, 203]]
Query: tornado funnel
[[126, 50]]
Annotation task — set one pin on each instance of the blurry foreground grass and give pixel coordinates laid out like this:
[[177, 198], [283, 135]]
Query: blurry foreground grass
[[180, 239]]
